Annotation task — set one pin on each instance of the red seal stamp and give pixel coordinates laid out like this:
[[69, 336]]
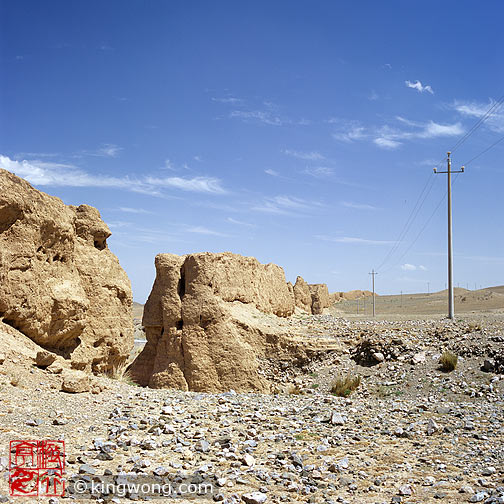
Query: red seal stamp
[[36, 468]]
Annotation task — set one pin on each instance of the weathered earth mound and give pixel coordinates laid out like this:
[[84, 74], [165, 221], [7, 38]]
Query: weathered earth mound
[[320, 298], [203, 323], [59, 283], [302, 295]]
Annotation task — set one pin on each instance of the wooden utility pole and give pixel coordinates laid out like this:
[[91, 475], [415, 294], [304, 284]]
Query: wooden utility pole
[[373, 273], [451, 314]]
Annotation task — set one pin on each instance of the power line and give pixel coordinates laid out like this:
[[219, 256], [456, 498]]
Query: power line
[[482, 119], [422, 229], [408, 223], [419, 203], [421, 198], [484, 151]]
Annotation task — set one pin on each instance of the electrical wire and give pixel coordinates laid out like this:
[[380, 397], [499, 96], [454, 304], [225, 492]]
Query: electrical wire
[[484, 151], [424, 227], [419, 203], [492, 110]]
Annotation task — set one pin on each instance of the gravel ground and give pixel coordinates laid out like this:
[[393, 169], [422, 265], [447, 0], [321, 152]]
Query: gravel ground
[[410, 433]]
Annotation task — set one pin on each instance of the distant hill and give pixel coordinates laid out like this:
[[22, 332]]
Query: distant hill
[[137, 310], [499, 289]]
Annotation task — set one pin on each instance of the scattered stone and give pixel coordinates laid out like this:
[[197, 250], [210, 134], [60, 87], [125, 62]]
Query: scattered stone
[[75, 382], [418, 358], [254, 498], [44, 358], [432, 427], [337, 419]]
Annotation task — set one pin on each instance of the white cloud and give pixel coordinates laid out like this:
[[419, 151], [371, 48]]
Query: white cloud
[[134, 210], [204, 231], [408, 267], [228, 99], [358, 206], [58, 174], [412, 267], [433, 130], [307, 156], [390, 138], [282, 205], [353, 240], [195, 184], [107, 150], [419, 87], [386, 143], [318, 171], [495, 120], [265, 117], [349, 131], [239, 223], [271, 172]]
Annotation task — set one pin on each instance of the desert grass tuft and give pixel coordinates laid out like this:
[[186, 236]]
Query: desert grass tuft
[[119, 371], [294, 390], [448, 361], [344, 386]]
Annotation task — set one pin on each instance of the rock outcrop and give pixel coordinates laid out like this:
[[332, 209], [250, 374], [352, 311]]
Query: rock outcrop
[[198, 335], [59, 283], [320, 298], [302, 295]]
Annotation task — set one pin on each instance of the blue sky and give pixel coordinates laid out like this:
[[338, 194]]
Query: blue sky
[[301, 133]]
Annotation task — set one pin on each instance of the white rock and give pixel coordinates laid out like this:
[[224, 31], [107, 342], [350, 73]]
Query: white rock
[[254, 498]]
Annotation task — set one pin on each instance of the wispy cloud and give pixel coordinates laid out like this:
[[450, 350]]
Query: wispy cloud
[[358, 206], [134, 210], [495, 120], [412, 267], [390, 138], [349, 131], [228, 99], [408, 267], [195, 184], [262, 116], [305, 155], [318, 171], [353, 240], [57, 174], [106, 150], [239, 222], [386, 143], [271, 172], [283, 205], [419, 87], [205, 231]]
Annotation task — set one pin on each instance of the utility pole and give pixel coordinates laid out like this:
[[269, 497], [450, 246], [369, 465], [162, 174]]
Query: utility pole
[[428, 288], [373, 272], [401, 299], [450, 243]]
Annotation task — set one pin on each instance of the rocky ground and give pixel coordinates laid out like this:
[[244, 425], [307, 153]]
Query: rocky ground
[[410, 433]]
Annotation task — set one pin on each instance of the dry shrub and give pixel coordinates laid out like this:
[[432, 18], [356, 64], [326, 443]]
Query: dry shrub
[[344, 386], [448, 361], [294, 390], [473, 327], [15, 379], [121, 372]]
